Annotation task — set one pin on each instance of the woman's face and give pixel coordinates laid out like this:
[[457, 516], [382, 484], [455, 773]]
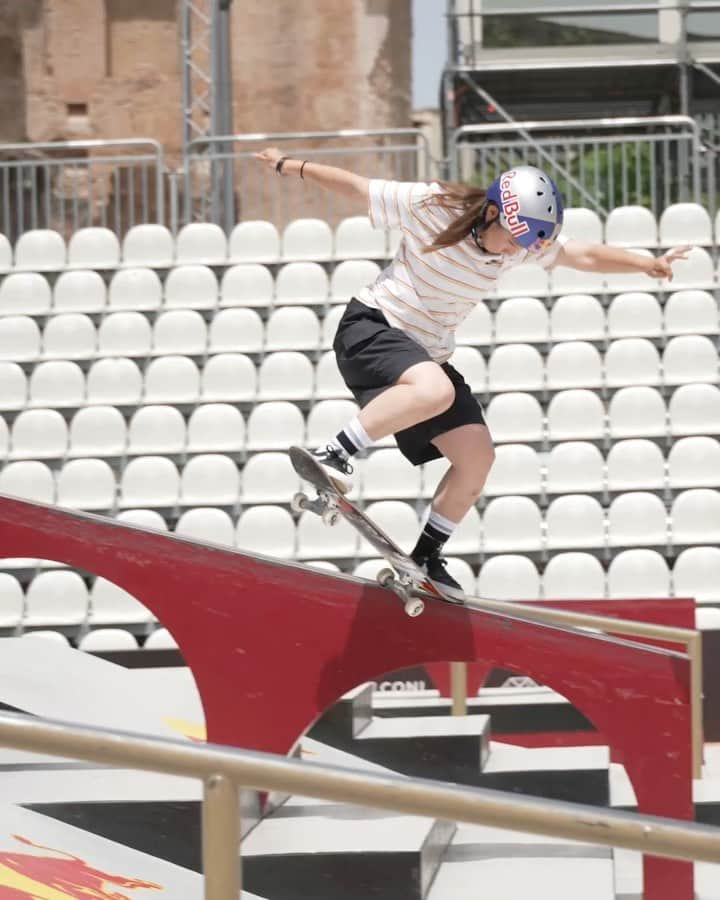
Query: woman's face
[[495, 239]]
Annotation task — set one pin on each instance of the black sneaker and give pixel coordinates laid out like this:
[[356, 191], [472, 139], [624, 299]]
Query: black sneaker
[[435, 567], [335, 466]]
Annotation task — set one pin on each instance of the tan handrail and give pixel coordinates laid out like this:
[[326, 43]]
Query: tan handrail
[[224, 770]]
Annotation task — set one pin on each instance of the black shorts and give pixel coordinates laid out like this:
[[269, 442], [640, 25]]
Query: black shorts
[[372, 355]]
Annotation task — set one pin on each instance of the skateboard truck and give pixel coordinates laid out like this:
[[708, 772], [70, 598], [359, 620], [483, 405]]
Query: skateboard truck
[[323, 505], [388, 578]]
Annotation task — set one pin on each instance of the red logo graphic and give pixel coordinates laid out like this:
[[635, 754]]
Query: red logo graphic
[[511, 205]]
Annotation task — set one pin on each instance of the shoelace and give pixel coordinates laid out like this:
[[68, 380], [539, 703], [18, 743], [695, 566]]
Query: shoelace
[[347, 469]]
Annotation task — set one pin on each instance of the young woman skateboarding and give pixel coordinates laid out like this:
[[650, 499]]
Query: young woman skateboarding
[[395, 338]]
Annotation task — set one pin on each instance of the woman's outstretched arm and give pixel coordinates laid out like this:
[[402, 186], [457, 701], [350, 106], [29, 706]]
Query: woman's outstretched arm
[[331, 177]]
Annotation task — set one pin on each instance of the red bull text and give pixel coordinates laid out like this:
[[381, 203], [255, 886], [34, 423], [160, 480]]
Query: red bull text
[[511, 206]]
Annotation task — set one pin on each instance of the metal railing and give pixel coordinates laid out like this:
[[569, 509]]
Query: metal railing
[[224, 771], [650, 161], [69, 185]]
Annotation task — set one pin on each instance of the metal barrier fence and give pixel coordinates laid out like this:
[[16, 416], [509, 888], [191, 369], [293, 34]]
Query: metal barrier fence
[[76, 184], [223, 182], [649, 161], [225, 770]]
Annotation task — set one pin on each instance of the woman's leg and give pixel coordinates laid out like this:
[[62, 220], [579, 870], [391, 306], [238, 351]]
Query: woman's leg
[[470, 451]]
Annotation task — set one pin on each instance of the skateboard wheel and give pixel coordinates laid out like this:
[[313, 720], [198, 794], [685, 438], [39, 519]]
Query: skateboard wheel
[[331, 517], [385, 578], [298, 502], [414, 607]]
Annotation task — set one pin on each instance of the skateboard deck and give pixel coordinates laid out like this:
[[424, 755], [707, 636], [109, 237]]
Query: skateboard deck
[[405, 578]]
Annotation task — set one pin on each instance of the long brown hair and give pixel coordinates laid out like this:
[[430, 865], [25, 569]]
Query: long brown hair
[[469, 201]]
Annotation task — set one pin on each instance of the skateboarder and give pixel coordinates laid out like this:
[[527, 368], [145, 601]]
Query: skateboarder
[[395, 338]]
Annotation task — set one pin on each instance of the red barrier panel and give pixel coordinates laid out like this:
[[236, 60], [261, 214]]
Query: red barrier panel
[[272, 644]]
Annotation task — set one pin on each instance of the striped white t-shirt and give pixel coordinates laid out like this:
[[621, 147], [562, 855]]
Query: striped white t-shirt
[[429, 294]]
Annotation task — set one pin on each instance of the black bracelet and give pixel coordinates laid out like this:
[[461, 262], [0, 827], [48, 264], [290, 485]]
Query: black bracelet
[[279, 164], [301, 169]]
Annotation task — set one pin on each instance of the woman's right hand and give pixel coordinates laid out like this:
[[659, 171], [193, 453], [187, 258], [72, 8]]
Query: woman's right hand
[[269, 156]]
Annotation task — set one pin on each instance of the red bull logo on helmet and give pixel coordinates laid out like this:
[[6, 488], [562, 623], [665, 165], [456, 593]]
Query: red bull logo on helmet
[[511, 205]]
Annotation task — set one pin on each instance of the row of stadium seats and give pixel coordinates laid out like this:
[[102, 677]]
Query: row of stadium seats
[[104, 640], [638, 572], [98, 428]]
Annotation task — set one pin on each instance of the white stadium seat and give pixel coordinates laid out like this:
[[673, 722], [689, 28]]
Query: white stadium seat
[[201, 242], [471, 365], [398, 520], [39, 434], [286, 375], [576, 414], [476, 330], [635, 464], [14, 386], [432, 474], [307, 239], [106, 640], [301, 283], [40, 250], [516, 470], [148, 245], [467, 536], [30, 480], [512, 523], [269, 478], [355, 238], [326, 419], [694, 272], [717, 227], [270, 530], [522, 319], [515, 367], [172, 379], [632, 361], [210, 479], [575, 467], [86, 484], [191, 286], [694, 462], [4, 439], [149, 481], [98, 431], [462, 572], [582, 224], [274, 425], [56, 598], [136, 289], [685, 223], [696, 574], [124, 334], [638, 573], [26, 294], [229, 377], [695, 409], [115, 382], [207, 524], [111, 605], [573, 364], [247, 285], [79, 291], [525, 280], [577, 317], [330, 325], [695, 517], [707, 618], [292, 328], [637, 412], [156, 429], [509, 577], [691, 312], [350, 277], [631, 226], [215, 427], [328, 380], [143, 518], [573, 575], [180, 331], [94, 248], [12, 601], [635, 314], [236, 330], [574, 281], [57, 383], [69, 336], [515, 416], [160, 639], [575, 521], [690, 358], [54, 637], [637, 518], [387, 475], [254, 241], [620, 282]]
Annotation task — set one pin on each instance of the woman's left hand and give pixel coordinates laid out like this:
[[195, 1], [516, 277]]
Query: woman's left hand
[[661, 266]]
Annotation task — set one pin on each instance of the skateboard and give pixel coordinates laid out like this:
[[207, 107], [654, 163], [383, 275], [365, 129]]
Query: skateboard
[[405, 577]]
